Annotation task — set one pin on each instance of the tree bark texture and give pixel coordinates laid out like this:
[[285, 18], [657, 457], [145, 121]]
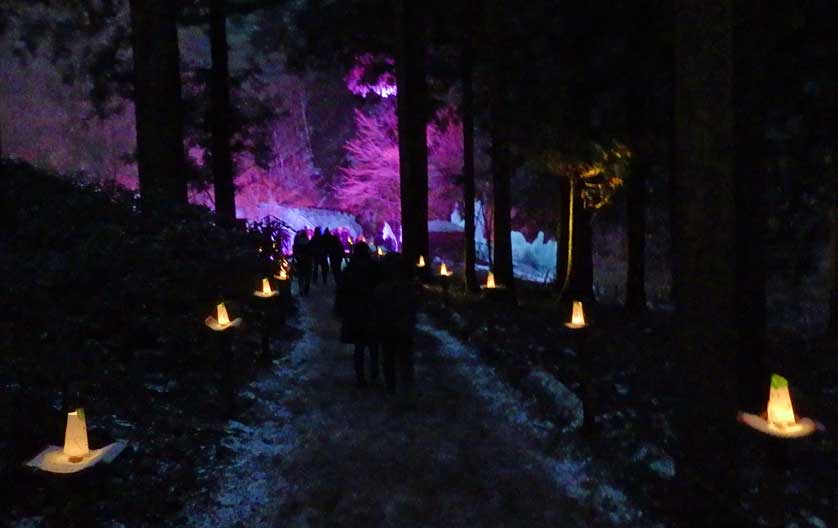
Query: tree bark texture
[[704, 189], [158, 107], [412, 115], [220, 116], [466, 76], [751, 209]]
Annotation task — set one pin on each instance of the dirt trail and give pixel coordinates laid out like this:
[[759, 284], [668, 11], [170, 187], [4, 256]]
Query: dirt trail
[[313, 450]]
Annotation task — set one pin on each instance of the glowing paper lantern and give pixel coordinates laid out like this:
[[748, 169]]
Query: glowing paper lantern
[[443, 271], [223, 322], [780, 412], [76, 455], [779, 419], [421, 263], [266, 292], [75, 437], [491, 284], [577, 318]]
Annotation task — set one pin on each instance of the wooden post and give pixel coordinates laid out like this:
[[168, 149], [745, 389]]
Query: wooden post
[[585, 353], [225, 343]]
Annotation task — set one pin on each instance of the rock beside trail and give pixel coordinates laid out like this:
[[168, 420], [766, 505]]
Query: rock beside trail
[[564, 406]]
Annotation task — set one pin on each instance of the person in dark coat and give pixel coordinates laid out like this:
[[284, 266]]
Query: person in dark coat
[[318, 256], [302, 261], [355, 307], [334, 248], [395, 300]]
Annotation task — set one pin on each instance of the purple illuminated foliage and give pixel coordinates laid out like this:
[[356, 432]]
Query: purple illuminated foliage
[[372, 74], [371, 179]]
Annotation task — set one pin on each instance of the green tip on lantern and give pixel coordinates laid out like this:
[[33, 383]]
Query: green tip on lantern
[[778, 382]]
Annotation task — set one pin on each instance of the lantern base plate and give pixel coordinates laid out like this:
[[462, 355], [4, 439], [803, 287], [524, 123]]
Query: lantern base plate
[[213, 323], [803, 426], [53, 460]]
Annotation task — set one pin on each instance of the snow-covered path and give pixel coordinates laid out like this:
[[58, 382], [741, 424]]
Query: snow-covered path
[[312, 450]]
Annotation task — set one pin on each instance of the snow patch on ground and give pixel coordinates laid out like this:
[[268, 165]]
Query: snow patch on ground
[[250, 478], [571, 473], [501, 399]]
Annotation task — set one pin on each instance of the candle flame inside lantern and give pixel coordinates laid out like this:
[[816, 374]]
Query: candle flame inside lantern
[[490, 280], [283, 275], [266, 286], [578, 316], [780, 411], [380, 252], [75, 436], [223, 318], [421, 263], [442, 269]]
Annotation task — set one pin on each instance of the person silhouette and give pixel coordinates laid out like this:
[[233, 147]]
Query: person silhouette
[[355, 305]]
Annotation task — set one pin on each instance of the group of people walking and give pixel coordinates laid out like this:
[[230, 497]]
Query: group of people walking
[[376, 300], [314, 257]]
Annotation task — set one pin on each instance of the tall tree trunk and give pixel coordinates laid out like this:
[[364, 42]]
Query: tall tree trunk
[[640, 108], [412, 114], [501, 192], [574, 260], [499, 153], [833, 302], [563, 234], [635, 303], [466, 74], [220, 116], [158, 107], [704, 230], [581, 285], [751, 211]]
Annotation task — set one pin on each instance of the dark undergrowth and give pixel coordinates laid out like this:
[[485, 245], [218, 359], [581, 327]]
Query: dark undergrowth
[[637, 389], [104, 308]]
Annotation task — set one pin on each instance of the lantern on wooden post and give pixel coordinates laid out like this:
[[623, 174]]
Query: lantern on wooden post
[[490, 281], [221, 326], [76, 454], [494, 291], [577, 317], [579, 329], [780, 423], [267, 295], [283, 276]]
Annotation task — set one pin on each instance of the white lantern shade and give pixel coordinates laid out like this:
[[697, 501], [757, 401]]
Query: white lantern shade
[[223, 322], [266, 292], [75, 436], [577, 318]]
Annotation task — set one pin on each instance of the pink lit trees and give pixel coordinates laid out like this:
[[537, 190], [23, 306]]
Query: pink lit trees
[[371, 181]]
